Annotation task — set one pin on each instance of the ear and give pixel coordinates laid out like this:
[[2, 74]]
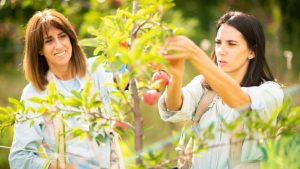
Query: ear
[[251, 55], [41, 53]]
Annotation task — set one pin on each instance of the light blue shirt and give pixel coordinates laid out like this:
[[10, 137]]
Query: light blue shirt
[[264, 99], [85, 153]]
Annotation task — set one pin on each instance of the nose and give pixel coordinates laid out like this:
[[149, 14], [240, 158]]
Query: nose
[[58, 44], [220, 50]]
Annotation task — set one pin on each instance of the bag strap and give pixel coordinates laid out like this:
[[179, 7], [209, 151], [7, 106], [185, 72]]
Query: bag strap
[[235, 150], [185, 152], [204, 102]]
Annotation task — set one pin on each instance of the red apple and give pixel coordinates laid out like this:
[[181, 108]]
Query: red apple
[[124, 45], [161, 77], [151, 97], [119, 125], [116, 3]]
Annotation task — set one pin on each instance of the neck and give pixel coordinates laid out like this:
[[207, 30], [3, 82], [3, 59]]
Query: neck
[[238, 76], [64, 73]]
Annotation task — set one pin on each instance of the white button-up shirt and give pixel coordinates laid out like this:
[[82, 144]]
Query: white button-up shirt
[[264, 99]]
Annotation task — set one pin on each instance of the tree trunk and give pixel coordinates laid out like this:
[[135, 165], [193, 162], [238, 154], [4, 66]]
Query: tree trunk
[[138, 121]]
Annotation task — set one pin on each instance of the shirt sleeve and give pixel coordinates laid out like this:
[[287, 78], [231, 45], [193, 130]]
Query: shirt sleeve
[[265, 98], [192, 93], [27, 139]]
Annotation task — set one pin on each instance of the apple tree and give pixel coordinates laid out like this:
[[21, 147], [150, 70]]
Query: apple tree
[[127, 44]]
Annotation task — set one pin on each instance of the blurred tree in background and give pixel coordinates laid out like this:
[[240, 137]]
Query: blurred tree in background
[[280, 19]]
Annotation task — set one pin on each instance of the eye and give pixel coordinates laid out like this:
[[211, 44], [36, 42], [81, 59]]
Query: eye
[[63, 35], [217, 42], [231, 44], [48, 40]]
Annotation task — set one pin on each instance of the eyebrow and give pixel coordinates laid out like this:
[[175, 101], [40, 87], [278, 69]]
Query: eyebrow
[[48, 37], [230, 41]]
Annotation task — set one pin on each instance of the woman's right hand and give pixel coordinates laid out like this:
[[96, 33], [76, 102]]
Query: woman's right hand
[[62, 166], [176, 67]]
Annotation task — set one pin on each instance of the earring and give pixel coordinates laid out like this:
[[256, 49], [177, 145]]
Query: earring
[[251, 57]]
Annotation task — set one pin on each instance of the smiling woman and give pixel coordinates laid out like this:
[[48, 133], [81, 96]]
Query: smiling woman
[[58, 51], [52, 54]]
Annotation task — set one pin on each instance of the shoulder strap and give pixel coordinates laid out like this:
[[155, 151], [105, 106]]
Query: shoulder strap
[[204, 102]]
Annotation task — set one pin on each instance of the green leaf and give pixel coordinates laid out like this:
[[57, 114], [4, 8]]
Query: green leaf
[[4, 110], [98, 49], [72, 114], [76, 93], [18, 104], [42, 109], [85, 92], [90, 42], [124, 80], [37, 100], [42, 152], [51, 88], [75, 102], [31, 123], [47, 163], [109, 84], [100, 139]]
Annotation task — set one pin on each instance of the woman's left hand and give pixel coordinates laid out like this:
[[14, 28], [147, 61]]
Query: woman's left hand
[[180, 47]]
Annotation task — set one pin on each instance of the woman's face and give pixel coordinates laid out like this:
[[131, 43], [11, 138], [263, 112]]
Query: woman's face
[[232, 52], [57, 49]]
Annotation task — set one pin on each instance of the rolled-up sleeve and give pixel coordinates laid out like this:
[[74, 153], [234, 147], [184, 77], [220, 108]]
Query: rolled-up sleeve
[[191, 95], [265, 98]]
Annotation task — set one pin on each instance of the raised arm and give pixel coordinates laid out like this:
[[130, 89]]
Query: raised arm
[[181, 48], [173, 90]]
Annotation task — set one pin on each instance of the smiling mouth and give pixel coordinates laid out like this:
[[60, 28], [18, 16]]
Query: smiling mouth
[[60, 53]]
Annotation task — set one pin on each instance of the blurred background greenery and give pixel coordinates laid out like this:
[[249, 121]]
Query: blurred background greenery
[[280, 19]]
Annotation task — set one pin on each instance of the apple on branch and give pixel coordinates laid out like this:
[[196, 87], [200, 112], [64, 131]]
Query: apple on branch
[[118, 125], [151, 97], [161, 78]]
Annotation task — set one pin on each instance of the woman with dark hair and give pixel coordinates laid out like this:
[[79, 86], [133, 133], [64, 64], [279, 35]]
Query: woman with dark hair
[[239, 76], [52, 54]]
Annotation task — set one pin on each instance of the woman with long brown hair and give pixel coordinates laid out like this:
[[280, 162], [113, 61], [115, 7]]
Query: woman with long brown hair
[[52, 54]]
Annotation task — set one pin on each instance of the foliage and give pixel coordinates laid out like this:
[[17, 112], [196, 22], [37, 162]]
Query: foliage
[[128, 44]]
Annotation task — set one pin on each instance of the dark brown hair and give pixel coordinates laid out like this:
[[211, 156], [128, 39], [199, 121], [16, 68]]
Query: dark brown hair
[[34, 64], [258, 70]]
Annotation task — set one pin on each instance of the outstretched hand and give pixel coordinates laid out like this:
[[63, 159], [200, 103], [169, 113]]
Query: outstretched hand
[[176, 50], [180, 47]]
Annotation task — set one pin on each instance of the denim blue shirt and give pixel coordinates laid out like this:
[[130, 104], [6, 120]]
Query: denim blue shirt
[[85, 153]]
